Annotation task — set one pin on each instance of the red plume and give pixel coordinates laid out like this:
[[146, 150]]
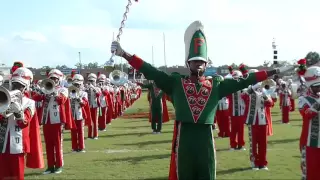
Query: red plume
[[301, 70], [73, 72], [230, 68], [14, 68], [98, 74], [47, 72], [243, 68], [302, 62]]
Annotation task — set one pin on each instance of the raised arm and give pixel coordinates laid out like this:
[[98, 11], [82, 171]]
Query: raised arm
[[148, 86], [162, 80], [229, 86]]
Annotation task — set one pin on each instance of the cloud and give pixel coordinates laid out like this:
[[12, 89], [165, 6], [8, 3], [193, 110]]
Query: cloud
[[236, 31], [29, 36]]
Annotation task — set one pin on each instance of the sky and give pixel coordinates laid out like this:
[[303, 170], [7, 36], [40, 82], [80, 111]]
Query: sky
[[52, 32]]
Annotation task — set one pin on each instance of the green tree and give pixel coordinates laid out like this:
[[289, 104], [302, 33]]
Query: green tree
[[312, 58], [79, 65], [266, 63], [89, 66], [46, 67], [62, 67]]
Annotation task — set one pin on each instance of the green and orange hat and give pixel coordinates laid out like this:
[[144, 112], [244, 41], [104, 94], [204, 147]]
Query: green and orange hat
[[195, 43]]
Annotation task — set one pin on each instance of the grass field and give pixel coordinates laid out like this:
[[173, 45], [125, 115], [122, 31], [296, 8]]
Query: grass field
[[128, 150]]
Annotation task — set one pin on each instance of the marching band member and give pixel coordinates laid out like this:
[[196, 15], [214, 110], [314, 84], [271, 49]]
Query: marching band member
[[223, 118], [122, 104], [80, 113], [193, 145], [257, 123], [110, 99], [55, 114], [292, 102], [309, 108], [104, 102], [68, 80], [158, 113], [93, 97], [20, 132], [269, 89], [285, 103], [236, 109], [36, 90]]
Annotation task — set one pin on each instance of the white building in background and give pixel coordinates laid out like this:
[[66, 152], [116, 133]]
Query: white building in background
[[5, 71]]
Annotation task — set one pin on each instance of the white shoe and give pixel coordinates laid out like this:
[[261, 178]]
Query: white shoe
[[264, 168], [82, 151], [154, 132], [47, 172], [232, 149], [158, 132], [95, 138], [243, 149], [255, 168]]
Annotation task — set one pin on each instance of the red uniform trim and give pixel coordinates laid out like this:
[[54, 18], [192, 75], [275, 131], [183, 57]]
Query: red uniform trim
[[261, 76], [136, 62]]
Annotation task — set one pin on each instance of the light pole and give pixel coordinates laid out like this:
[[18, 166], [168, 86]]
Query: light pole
[[80, 62]]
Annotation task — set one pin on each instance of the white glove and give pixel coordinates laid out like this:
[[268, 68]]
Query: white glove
[[16, 107], [256, 86], [116, 48]]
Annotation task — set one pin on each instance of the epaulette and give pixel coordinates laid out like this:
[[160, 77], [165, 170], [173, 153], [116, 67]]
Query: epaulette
[[175, 73], [218, 78]]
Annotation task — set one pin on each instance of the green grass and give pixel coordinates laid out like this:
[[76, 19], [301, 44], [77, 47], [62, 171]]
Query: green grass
[[128, 150]]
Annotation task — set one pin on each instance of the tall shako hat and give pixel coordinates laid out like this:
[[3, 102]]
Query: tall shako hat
[[195, 43]]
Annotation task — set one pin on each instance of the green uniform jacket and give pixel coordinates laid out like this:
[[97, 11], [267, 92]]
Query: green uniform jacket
[[155, 95], [194, 102]]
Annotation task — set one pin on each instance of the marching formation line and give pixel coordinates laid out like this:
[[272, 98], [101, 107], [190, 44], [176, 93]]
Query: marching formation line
[[114, 151]]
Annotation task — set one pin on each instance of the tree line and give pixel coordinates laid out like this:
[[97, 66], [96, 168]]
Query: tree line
[[312, 58]]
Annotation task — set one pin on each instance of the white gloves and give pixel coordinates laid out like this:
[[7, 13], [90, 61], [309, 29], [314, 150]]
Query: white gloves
[[116, 48], [16, 107], [256, 86], [17, 110]]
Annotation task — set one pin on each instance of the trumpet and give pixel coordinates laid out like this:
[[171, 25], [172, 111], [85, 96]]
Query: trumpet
[[74, 91], [6, 98], [48, 86]]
